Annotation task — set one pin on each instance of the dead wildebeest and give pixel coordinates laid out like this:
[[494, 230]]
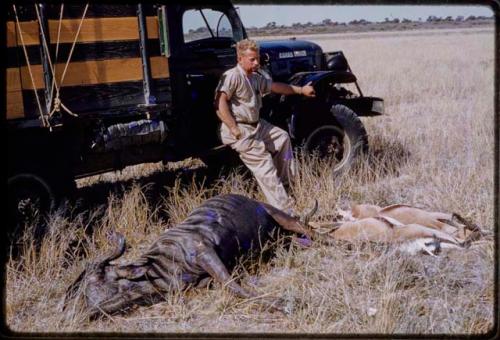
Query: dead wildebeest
[[208, 243]]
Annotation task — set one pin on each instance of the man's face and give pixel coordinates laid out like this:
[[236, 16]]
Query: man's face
[[249, 61]]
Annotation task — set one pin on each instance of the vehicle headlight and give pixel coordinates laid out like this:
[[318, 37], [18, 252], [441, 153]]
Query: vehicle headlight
[[378, 106]]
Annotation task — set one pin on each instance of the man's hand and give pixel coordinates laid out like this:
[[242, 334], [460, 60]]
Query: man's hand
[[235, 131], [287, 89], [225, 115], [308, 90]]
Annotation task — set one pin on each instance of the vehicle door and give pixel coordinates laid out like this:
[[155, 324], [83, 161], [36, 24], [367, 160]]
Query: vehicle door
[[203, 46]]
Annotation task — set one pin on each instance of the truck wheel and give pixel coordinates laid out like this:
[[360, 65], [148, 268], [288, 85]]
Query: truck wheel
[[343, 141], [30, 196]]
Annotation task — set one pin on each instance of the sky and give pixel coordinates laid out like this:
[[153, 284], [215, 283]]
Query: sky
[[260, 15]]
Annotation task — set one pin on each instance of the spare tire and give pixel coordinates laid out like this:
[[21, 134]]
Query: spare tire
[[342, 140]]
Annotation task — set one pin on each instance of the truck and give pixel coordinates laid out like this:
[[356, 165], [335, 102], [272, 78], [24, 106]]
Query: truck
[[92, 88]]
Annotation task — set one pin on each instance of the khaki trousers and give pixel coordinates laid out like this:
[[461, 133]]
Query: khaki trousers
[[267, 151]]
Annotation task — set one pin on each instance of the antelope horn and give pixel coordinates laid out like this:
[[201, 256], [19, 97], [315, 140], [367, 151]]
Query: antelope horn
[[469, 225], [474, 236], [472, 226], [307, 217]]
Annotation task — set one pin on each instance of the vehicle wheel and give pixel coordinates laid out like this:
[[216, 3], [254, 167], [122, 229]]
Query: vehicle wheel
[[29, 198], [342, 142]]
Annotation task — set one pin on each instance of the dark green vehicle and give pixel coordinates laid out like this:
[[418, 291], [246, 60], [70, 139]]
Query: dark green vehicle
[[94, 88]]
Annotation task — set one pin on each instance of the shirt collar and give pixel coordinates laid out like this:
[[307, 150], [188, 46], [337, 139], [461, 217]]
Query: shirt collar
[[243, 71]]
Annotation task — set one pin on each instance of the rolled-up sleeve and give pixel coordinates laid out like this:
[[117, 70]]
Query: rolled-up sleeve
[[227, 84], [265, 85]]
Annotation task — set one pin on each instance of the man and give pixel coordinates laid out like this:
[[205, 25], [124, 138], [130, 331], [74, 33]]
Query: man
[[264, 148]]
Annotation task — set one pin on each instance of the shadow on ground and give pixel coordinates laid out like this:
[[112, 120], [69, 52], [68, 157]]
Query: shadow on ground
[[387, 156], [89, 201], [156, 185]]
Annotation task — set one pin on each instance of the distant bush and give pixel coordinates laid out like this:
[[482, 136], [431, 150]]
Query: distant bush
[[433, 18]]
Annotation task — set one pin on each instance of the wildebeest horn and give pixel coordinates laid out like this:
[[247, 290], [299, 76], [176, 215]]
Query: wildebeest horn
[[70, 292], [99, 264], [307, 217], [119, 250]]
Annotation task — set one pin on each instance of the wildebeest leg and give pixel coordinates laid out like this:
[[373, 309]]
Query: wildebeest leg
[[208, 259], [293, 224], [288, 222], [130, 293]]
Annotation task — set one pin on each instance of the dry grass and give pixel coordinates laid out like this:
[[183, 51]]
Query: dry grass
[[434, 149]]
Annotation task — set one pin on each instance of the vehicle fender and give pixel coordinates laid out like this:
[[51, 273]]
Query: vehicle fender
[[320, 77]]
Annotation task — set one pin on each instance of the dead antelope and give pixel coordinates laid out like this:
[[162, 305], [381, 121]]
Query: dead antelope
[[413, 229]]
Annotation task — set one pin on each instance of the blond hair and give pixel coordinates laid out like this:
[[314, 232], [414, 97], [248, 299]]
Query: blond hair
[[246, 44]]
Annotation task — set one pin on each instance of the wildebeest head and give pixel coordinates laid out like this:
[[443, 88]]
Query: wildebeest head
[[99, 280]]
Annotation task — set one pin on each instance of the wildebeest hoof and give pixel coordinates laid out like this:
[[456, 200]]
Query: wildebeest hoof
[[302, 241]]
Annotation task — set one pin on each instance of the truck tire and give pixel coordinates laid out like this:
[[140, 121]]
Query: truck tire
[[31, 196], [342, 140]]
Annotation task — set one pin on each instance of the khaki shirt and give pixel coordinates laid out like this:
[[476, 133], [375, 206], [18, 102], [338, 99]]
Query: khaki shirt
[[244, 93]]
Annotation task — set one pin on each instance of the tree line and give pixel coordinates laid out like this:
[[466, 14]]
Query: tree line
[[329, 22]]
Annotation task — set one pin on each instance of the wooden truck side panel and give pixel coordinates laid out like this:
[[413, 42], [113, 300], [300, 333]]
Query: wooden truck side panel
[[105, 70]]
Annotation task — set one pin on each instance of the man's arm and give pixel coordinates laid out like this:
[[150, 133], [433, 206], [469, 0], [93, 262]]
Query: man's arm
[[286, 89], [224, 114]]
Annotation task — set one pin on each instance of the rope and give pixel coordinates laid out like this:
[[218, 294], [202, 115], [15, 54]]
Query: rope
[[44, 119], [74, 43], [57, 51], [57, 101]]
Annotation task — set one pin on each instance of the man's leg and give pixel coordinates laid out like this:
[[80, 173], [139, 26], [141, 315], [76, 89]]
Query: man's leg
[[259, 161], [278, 143]]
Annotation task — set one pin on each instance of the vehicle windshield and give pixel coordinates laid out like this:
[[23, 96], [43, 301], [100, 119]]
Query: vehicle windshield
[[205, 23]]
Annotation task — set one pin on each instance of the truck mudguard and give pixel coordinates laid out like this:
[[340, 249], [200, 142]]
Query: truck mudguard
[[302, 78]]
